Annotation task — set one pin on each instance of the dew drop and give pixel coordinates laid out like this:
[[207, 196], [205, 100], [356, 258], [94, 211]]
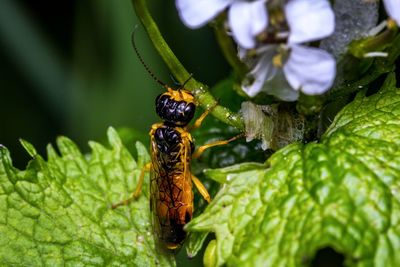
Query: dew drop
[[140, 239], [229, 177]]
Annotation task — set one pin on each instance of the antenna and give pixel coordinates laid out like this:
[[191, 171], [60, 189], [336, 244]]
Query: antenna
[[181, 86], [188, 79], [142, 61]]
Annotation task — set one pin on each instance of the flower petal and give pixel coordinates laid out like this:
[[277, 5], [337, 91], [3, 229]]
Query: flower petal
[[196, 13], [246, 20], [393, 9], [309, 20], [263, 71], [311, 70], [280, 88]]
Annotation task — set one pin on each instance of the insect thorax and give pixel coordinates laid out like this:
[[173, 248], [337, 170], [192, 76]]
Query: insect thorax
[[172, 141]]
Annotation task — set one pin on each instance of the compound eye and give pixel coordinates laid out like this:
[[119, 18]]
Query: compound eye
[[184, 113], [190, 109], [158, 99], [181, 107], [162, 105], [161, 101]]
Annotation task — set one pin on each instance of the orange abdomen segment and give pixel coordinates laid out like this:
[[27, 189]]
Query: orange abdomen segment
[[173, 208]]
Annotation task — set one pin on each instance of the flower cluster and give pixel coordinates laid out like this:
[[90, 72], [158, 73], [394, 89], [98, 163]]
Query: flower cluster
[[282, 64], [246, 19], [273, 38], [288, 65]]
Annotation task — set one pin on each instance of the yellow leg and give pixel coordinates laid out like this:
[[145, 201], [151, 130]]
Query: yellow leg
[[203, 191], [138, 189], [201, 149], [199, 121]]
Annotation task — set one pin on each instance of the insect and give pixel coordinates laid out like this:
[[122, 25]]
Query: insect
[[172, 149]]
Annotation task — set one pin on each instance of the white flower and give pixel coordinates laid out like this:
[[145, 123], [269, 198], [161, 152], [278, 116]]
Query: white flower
[[393, 9], [246, 19], [311, 70], [309, 20]]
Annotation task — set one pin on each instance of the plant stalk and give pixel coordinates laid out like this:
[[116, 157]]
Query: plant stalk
[[199, 90]]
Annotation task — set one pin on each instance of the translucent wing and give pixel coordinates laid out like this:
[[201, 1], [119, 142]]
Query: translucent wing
[[171, 191]]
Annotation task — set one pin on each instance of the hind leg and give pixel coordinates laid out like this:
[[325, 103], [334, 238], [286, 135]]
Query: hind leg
[[138, 189], [203, 191]]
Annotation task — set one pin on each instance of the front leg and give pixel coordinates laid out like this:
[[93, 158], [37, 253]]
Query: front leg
[[199, 121]]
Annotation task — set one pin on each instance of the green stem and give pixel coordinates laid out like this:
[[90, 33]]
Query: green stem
[[372, 44], [228, 48], [203, 96]]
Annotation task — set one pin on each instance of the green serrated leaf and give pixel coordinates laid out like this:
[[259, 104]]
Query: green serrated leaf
[[341, 193], [58, 213], [195, 243], [28, 147]]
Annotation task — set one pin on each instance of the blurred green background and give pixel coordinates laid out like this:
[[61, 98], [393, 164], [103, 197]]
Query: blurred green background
[[68, 68]]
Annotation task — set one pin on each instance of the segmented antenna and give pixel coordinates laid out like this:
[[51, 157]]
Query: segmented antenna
[[142, 61], [188, 79], [181, 86]]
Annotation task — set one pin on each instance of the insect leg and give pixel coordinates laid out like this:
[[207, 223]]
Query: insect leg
[[203, 191], [138, 189], [201, 149], [199, 121]]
